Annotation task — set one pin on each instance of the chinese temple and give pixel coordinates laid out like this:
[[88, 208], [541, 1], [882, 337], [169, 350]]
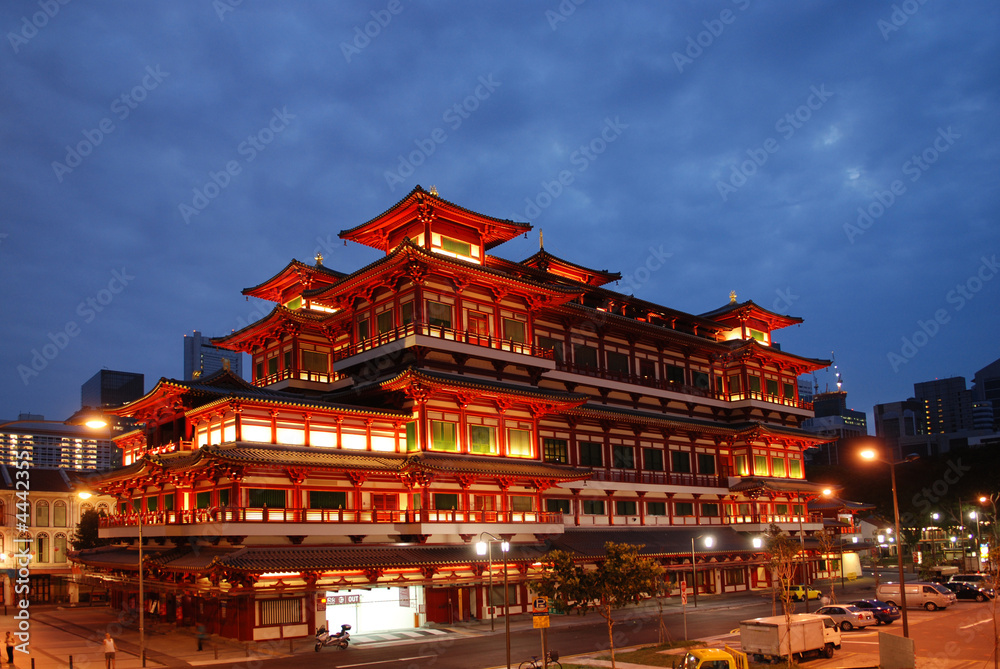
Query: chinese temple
[[442, 395]]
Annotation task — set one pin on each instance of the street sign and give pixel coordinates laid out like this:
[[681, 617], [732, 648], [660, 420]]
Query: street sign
[[540, 606], [684, 597], [539, 622]]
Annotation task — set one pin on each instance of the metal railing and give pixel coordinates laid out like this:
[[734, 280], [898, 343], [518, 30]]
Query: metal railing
[[445, 333]]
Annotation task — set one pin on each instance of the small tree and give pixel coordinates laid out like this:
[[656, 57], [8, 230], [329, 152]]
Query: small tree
[[621, 578], [827, 544], [781, 552], [86, 534]]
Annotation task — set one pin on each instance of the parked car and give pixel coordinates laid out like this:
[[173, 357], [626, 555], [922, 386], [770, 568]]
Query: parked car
[[931, 596], [800, 592], [971, 579], [883, 612], [969, 591], [847, 616]]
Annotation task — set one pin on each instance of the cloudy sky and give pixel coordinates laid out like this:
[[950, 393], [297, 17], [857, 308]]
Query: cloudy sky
[[837, 161]]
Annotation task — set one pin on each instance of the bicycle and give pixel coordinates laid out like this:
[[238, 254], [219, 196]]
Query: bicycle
[[535, 663]]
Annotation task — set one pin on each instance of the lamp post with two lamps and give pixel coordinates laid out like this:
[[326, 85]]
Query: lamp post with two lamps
[[485, 547], [873, 454], [709, 542]]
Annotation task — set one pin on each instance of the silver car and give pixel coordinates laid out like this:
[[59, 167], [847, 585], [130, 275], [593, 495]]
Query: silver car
[[847, 616]]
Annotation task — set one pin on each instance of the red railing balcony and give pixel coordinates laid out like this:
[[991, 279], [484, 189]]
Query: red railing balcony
[[660, 478], [647, 381], [444, 333], [298, 374], [267, 515], [768, 518]]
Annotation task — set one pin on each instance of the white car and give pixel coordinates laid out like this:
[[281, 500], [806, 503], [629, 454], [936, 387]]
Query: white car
[[847, 616]]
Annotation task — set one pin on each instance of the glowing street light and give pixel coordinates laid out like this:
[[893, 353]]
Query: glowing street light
[[709, 542], [482, 547]]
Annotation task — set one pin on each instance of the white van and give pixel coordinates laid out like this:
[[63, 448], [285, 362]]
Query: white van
[[930, 596]]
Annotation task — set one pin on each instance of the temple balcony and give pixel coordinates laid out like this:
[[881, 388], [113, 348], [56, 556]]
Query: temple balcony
[[439, 337], [627, 479], [568, 371], [299, 378], [760, 522], [327, 522]]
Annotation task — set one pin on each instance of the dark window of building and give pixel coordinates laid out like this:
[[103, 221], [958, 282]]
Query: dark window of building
[[438, 314], [555, 450], [647, 369], [224, 497], [593, 507], [618, 362], [753, 382], [168, 502], [152, 504], [554, 345], [626, 508], [772, 387], [680, 462], [445, 501], [683, 508], [327, 499], [260, 370], [788, 391], [591, 454], [557, 505], [652, 459], [584, 355], [288, 359], [675, 374], [656, 508], [623, 457], [272, 365], [706, 463], [710, 509], [700, 380], [406, 313], [203, 500], [314, 361], [513, 330], [363, 332], [383, 322], [261, 497], [522, 503], [734, 384]]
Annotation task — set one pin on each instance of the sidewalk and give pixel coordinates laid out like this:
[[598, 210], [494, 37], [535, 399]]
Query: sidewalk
[[59, 633]]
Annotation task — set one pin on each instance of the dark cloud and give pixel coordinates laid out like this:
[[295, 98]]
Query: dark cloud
[[778, 238]]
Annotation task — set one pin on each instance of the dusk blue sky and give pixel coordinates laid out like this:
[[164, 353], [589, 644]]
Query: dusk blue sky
[[727, 144]]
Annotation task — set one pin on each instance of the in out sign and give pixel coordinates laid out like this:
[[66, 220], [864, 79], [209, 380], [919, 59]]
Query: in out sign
[[343, 599]]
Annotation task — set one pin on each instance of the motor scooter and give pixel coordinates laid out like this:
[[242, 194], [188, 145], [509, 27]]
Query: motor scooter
[[341, 638]]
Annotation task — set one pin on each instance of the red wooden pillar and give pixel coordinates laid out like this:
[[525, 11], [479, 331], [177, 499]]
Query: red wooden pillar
[[611, 506], [642, 506]]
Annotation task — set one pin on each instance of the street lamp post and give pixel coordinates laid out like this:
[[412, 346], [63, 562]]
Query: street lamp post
[[709, 540], [872, 454], [802, 546], [482, 547]]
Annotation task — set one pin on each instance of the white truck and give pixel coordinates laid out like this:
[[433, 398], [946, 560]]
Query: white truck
[[771, 638]]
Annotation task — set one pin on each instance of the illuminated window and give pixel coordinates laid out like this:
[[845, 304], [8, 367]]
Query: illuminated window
[[760, 465], [456, 247], [438, 314], [742, 466], [482, 439], [443, 436], [519, 443], [513, 330], [795, 468], [314, 361], [383, 322], [777, 466]]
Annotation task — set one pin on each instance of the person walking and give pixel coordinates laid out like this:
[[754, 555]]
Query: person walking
[[11, 642], [109, 651]]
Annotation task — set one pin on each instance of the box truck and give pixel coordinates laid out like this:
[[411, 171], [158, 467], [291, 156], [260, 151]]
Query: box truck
[[771, 638]]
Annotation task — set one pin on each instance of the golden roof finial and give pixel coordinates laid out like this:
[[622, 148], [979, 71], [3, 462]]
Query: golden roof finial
[[434, 191], [319, 260], [225, 364], [541, 240], [732, 297]]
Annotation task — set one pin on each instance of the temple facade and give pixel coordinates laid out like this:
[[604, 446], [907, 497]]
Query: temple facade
[[400, 412]]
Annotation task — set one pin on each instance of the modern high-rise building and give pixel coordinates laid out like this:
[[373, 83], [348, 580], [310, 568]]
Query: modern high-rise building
[[203, 357], [109, 388], [442, 395], [947, 404], [835, 421], [986, 388], [56, 445], [897, 421]]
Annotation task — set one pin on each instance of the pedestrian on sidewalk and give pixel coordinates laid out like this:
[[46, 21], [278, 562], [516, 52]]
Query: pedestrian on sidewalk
[[109, 651], [11, 642], [201, 635]]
